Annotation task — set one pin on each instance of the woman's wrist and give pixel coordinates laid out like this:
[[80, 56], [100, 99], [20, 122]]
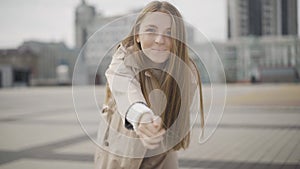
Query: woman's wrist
[[136, 112]]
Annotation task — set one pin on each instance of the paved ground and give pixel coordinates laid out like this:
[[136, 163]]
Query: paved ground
[[260, 128]]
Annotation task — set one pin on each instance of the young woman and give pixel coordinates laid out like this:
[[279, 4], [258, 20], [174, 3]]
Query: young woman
[[152, 85]]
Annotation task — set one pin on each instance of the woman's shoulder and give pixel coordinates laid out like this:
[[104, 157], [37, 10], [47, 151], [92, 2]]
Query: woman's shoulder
[[126, 56], [120, 52]]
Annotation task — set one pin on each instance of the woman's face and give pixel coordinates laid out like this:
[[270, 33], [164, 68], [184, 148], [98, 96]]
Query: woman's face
[[154, 36]]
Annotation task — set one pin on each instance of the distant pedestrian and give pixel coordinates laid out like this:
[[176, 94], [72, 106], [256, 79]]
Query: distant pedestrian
[[152, 84]]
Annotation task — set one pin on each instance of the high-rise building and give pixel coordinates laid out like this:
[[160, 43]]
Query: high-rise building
[[84, 16], [262, 18]]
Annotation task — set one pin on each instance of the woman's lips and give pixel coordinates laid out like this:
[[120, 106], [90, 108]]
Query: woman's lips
[[161, 50]]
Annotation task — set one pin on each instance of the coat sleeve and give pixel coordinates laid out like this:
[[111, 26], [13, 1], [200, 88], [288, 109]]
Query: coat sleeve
[[126, 90]]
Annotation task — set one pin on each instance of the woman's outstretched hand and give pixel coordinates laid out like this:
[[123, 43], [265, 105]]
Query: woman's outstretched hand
[[150, 130]]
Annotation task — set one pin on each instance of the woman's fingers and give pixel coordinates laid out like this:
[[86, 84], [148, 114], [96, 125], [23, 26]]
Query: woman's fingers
[[152, 128], [149, 134], [143, 134], [157, 122], [149, 146], [150, 131], [151, 142], [146, 130]]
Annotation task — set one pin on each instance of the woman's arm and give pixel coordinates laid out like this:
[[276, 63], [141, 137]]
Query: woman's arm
[[126, 90]]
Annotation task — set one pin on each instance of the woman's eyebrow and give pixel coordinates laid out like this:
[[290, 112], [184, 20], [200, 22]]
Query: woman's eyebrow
[[154, 26]]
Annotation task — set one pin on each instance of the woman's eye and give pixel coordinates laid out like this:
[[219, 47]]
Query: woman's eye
[[168, 33], [150, 30]]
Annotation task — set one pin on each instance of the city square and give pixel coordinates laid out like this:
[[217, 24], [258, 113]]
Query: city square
[[259, 129]]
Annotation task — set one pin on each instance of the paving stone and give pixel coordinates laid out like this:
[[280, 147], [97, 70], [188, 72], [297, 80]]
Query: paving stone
[[39, 129]]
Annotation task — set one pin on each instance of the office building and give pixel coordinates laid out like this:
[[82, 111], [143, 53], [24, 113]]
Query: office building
[[261, 18]]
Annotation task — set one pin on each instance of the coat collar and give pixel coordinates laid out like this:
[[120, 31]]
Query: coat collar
[[130, 60]]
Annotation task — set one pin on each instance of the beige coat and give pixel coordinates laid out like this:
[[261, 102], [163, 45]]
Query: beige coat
[[118, 146]]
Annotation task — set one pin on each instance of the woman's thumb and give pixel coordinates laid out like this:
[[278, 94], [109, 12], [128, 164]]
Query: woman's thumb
[[156, 121]]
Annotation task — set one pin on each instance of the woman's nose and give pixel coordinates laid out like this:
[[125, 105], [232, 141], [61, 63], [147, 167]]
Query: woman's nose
[[159, 38]]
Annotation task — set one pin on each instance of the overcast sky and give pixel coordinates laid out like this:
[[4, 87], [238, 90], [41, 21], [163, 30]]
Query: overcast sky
[[53, 20]]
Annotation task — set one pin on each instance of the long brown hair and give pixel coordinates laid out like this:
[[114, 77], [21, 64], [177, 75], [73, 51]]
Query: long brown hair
[[174, 110]]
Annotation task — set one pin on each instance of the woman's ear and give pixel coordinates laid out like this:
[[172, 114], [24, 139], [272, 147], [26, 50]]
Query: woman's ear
[[137, 39]]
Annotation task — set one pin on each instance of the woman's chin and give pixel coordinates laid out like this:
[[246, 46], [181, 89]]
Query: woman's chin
[[159, 60], [159, 57]]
